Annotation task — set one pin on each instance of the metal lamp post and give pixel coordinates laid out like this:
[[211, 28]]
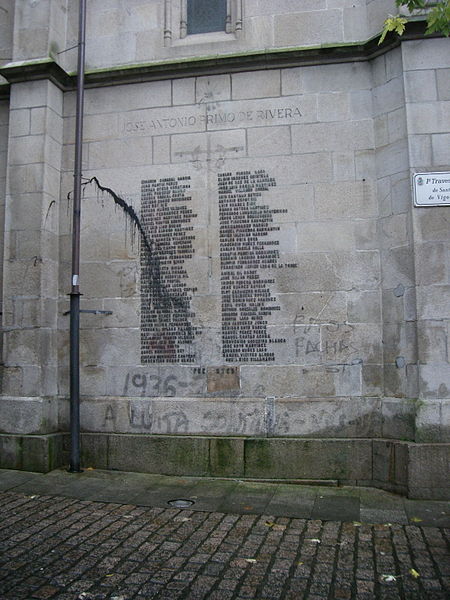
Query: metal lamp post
[[74, 465]]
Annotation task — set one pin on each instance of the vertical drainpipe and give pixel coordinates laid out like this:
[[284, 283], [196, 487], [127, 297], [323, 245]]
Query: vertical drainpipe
[[74, 465]]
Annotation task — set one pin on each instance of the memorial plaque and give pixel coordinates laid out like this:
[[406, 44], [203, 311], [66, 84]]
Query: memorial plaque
[[248, 246], [247, 298], [166, 320]]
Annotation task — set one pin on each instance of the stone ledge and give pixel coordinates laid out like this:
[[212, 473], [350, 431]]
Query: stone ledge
[[39, 453], [47, 68], [415, 470]]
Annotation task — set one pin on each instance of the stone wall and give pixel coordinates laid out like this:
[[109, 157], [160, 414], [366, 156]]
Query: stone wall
[[285, 299], [428, 121], [310, 131], [129, 33], [6, 30], [31, 256]]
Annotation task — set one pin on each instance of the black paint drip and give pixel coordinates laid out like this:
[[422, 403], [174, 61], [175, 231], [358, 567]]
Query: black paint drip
[[127, 209], [151, 260]]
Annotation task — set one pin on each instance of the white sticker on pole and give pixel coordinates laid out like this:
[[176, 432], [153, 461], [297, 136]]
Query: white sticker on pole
[[75, 280]]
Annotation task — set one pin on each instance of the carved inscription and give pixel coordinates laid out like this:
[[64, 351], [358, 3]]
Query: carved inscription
[[247, 299], [166, 320], [248, 245], [252, 113]]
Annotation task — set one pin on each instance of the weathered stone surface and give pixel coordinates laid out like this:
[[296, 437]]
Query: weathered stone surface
[[309, 459], [428, 467], [39, 453], [312, 381], [435, 380], [226, 457], [174, 455], [308, 28], [317, 137], [398, 418], [352, 417], [390, 465], [28, 415], [262, 84], [292, 223]]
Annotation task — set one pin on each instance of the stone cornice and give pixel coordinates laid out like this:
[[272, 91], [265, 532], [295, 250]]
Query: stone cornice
[[208, 65]]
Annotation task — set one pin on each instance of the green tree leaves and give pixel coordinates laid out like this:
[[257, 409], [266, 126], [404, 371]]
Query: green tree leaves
[[438, 17]]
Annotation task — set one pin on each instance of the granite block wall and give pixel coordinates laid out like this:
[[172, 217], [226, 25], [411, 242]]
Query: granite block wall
[[285, 286], [313, 330]]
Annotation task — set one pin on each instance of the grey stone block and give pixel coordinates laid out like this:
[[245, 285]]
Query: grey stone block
[[428, 117], [125, 98], [115, 153], [256, 8], [333, 106], [420, 55], [432, 225], [429, 466], [28, 415], [420, 86], [213, 89], [364, 307], [398, 418], [306, 28], [343, 166], [309, 381], [372, 380], [442, 76], [319, 137], [226, 457], [389, 96], [397, 267], [420, 153], [435, 380], [38, 453], [308, 459], [391, 160], [440, 144], [397, 125], [42, 453], [432, 341], [258, 84], [355, 23], [19, 121], [269, 142], [390, 464], [29, 94], [94, 451], [161, 149], [183, 91], [10, 452], [314, 418], [317, 235], [159, 454]]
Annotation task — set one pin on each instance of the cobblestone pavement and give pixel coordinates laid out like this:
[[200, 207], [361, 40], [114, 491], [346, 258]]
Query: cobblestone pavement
[[65, 548]]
